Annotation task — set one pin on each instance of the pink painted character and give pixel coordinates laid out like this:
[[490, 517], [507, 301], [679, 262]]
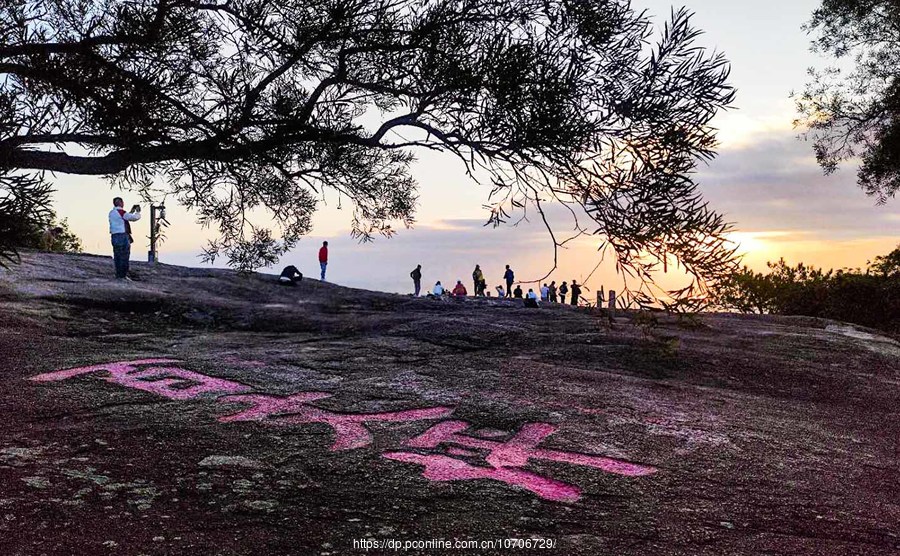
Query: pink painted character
[[170, 382], [349, 429], [505, 459]]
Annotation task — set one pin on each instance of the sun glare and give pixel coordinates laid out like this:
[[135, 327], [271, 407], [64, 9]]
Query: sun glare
[[754, 244]]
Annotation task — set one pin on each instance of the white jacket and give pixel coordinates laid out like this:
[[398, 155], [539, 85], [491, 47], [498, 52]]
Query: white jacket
[[117, 221]]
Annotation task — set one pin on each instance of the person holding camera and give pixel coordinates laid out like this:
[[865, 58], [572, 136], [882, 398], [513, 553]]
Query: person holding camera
[[120, 235]]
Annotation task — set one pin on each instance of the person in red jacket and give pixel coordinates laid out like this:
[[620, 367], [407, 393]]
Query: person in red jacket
[[460, 290], [323, 258]]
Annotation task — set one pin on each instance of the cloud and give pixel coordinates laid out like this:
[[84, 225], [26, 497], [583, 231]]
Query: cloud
[[775, 184]]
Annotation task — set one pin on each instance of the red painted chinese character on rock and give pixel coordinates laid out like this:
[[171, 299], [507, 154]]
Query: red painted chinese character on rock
[[506, 459], [349, 430], [170, 382]]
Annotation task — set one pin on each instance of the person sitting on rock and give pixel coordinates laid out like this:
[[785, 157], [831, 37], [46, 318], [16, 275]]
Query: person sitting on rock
[[531, 299], [460, 290], [290, 276], [517, 293], [501, 292], [438, 290]]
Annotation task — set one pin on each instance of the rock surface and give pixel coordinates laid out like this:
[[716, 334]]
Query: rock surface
[[766, 435]]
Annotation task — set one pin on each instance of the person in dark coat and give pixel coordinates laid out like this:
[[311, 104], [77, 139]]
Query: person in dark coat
[[510, 277], [576, 292], [517, 293], [553, 297], [290, 276], [563, 290], [416, 275]]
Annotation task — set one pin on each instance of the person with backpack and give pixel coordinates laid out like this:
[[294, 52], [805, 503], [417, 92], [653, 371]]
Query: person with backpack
[[510, 277], [576, 292], [120, 235], [478, 279], [416, 276], [563, 290]]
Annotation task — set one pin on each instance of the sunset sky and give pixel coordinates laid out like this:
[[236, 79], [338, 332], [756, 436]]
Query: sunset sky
[[765, 180]]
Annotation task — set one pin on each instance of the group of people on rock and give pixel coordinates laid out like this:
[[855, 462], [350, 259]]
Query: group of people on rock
[[121, 239], [548, 293]]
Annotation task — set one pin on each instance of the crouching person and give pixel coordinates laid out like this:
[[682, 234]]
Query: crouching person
[[290, 276]]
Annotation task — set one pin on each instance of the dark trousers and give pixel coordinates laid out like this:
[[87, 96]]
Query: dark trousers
[[418, 286], [562, 298], [121, 253], [509, 288], [479, 288]]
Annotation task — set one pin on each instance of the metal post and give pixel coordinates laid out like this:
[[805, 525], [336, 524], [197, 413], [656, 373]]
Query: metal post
[[612, 302], [157, 220], [152, 255]]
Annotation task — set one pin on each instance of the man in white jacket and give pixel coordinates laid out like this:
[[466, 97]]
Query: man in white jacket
[[120, 235]]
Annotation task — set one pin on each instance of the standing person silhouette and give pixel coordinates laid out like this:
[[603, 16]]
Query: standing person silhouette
[[416, 275], [323, 258], [563, 290], [478, 279], [576, 292], [553, 291], [120, 235], [510, 277]]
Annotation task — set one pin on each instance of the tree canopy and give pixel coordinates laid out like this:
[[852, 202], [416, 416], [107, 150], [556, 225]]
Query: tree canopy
[[870, 297], [241, 106], [852, 110]]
